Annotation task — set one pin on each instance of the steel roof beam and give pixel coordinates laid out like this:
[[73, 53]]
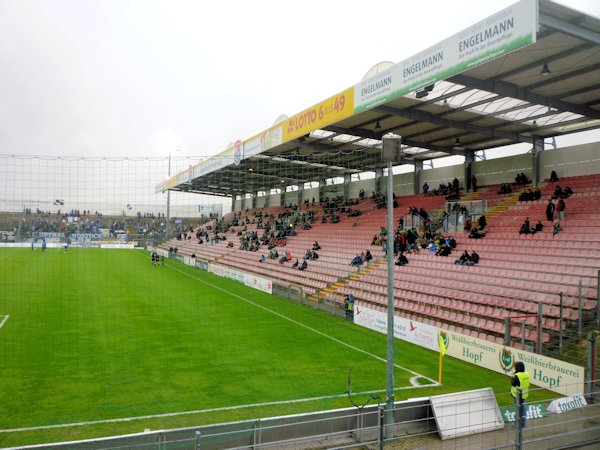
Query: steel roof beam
[[512, 90], [423, 116], [570, 29]]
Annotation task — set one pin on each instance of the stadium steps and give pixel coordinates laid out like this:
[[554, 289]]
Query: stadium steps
[[337, 285], [503, 205]]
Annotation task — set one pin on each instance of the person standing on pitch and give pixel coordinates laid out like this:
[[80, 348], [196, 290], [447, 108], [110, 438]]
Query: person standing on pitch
[[520, 380]]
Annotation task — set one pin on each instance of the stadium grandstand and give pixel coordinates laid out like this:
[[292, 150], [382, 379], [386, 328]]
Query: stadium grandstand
[[488, 261]]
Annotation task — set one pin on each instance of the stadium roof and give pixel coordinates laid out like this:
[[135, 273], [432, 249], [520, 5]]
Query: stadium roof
[[531, 71]]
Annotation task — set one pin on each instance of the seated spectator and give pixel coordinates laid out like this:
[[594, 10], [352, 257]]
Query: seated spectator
[[443, 250], [474, 257], [295, 264], [402, 260], [526, 227], [558, 192], [553, 177], [539, 226], [556, 227], [476, 233], [314, 256], [568, 191], [304, 265], [368, 256], [375, 240], [262, 258], [463, 259], [273, 254], [451, 242], [230, 244], [356, 261], [282, 259], [432, 248], [468, 224]]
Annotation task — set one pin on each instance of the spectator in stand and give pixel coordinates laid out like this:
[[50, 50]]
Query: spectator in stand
[[526, 227], [550, 211], [443, 250], [568, 191], [402, 260], [539, 226], [261, 259], [482, 222], [468, 224], [553, 177], [455, 185], [474, 257], [463, 259], [474, 183], [368, 256], [356, 261], [425, 189], [304, 265], [560, 209], [295, 265], [556, 227]]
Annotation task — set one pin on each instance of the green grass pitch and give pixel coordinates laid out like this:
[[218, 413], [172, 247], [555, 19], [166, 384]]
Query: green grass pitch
[[97, 334]]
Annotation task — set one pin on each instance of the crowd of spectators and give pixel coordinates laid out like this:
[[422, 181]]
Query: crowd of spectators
[[451, 190]]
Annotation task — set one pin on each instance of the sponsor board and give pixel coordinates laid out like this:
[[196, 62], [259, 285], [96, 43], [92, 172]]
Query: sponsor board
[[508, 30], [561, 405], [202, 265], [320, 115], [532, 411], [408, 330], [260, 283], [117, 245], [549, 373], [251, 280], [553, 374]]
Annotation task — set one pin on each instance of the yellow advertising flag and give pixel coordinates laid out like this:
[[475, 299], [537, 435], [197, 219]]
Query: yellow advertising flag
[[442, 345]]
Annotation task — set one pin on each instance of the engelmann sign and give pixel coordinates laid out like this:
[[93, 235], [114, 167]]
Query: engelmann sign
[[508, 30]]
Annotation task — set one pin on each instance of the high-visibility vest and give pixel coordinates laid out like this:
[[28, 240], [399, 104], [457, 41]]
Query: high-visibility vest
[[524, 381]]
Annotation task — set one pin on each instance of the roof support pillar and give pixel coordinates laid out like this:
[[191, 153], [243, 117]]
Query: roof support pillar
[[300, 193], [232, 201], [254, 199], [538, 146], [347, 179], [417, 176], [282, 196], [469, 158], [322, 184], [379, 180]]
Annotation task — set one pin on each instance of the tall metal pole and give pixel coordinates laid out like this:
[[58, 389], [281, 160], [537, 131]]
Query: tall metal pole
[[167, 224], [390, 305]]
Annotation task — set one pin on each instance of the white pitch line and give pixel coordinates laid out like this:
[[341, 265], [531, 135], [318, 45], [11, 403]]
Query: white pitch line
[[305, 326], [202, 411], [4, 320]]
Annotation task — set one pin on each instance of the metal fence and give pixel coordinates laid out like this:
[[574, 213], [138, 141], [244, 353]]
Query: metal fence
[[549, 424]]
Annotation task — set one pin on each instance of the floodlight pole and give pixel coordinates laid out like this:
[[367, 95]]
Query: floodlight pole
[[167, 223], [390, 305]]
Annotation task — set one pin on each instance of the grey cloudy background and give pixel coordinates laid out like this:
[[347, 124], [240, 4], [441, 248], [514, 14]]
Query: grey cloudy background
[[131, 77]]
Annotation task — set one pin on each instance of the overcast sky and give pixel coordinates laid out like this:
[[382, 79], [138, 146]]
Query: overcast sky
[[110, 77]]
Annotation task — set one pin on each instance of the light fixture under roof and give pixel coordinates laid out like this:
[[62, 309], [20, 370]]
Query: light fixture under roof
[[545, 71], [378, 126]]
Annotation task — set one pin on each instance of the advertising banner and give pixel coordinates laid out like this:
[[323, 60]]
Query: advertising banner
[[510, 29], [532, 411], [414, 332], [562, 405], [549, 373], [553, 374], [256, 282], [322, 114]]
